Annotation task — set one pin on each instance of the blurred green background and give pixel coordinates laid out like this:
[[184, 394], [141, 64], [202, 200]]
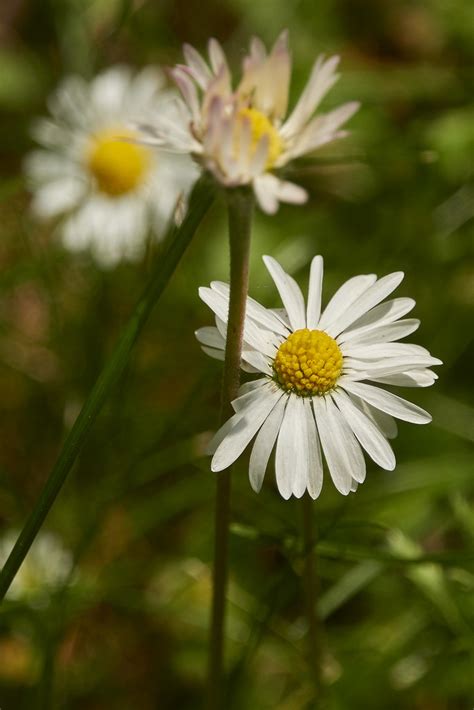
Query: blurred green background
[[111, 608]]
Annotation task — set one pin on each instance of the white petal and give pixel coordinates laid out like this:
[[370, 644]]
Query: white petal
[[383, 333], [390, 365], [254, 384], [322, 78], [343, 455], [344, 297], [264, 443], [253, 309], [413, 378], [198, 66], [290, 293], [379, 351], [321, 130], [313, 310], [377, 317], [366, 432], [385, 422], [213, 352], [315, 461], [387, 402], [245, 429], [370, 298], [291, 458], [209, 335]]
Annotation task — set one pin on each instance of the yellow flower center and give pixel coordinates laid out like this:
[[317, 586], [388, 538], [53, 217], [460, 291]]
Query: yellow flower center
[[308, 363], [118, 165], [260, 126]]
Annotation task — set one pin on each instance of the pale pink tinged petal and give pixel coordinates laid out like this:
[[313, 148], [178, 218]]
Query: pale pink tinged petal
[[321, 130], [313, 310], [290, 293], [388, 402], [265, 191], [217, 56], [367, 300], [315, 467], [383, 314], [346, 295], [264, 443], [244, 141], [260, 157], [218, 86], [188, 90], [322, 78], [367, 433], [257, 49], [246, 428], [271, 90], [197, 65]]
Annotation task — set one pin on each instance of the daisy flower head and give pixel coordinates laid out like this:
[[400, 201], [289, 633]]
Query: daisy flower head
[[316, 396], [243, 135], [110, 190]]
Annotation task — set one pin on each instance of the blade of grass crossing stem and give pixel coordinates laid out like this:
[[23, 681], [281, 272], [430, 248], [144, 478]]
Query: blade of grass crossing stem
[[180, 237]]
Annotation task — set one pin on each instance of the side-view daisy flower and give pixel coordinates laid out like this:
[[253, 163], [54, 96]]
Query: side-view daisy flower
[[90, 169], [244, 135], [314, 397]]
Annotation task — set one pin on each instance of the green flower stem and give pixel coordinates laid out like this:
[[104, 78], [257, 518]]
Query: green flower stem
[[240, 209], [311, 590], [177, 242]]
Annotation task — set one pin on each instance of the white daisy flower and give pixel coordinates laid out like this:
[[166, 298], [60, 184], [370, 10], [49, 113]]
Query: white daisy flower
[[242, 136], [314, 397], [111, 190]]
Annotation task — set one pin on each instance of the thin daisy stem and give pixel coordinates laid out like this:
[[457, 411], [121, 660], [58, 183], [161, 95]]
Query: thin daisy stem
[[240, 209], [177, 242], [311, 590]]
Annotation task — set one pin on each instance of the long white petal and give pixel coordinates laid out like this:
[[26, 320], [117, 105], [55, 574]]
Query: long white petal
[[313, 310], [290, 462], [413, 378], [256, 311], [383, 333], [246, 428], [264, 443], [315, 461], [290, 293], [344, 297], [387, 402], [366, 432], [377, 317], [209, 335], [370, 298], [336, 441]]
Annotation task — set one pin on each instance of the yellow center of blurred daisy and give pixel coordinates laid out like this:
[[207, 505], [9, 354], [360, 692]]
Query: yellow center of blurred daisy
[[260, 126], [308, 363], [118, 165]]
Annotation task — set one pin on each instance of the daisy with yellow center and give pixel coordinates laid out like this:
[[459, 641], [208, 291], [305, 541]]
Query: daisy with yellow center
[[111, 191], [316, 397], [243, 134]]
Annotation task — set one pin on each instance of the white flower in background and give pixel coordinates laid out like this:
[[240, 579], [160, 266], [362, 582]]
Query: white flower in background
[[313, 398], [46, 567], [111, 190], [243, 135]]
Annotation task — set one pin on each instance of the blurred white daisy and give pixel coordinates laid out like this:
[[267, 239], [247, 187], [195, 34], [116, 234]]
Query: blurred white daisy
[[314, 398], [111, 190], [243, 135], [46, 567]]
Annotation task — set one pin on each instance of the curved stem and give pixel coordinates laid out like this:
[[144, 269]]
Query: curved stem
[[240, 208], [178, 240]]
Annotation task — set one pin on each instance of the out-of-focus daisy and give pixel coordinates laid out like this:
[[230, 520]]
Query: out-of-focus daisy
[[111, 190], [46, 567], [244, 135], [314, 397]]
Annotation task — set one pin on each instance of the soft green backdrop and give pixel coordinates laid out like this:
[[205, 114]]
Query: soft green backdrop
[[126, 628]]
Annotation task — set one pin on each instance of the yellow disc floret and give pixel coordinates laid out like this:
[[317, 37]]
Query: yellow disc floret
[[308, 363], [117, 164], [260, 126]]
